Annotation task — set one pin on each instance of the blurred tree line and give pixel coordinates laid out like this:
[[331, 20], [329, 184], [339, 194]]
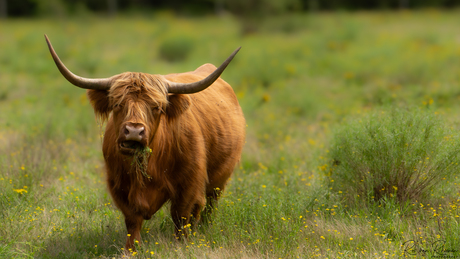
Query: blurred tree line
[[17, 8]]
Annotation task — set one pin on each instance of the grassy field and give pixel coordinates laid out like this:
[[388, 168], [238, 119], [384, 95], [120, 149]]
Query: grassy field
[[298, 79]]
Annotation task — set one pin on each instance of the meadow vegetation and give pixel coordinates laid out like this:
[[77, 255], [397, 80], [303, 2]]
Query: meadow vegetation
[[305, 83]]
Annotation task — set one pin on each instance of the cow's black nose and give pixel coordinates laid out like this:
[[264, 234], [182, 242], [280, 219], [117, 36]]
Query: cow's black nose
[[135, 133]]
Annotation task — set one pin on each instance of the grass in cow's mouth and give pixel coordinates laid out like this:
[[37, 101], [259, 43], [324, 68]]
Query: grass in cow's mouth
[[140, 162]]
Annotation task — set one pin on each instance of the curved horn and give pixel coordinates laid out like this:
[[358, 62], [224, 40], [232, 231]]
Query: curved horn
[[86, 83], [190, 88]]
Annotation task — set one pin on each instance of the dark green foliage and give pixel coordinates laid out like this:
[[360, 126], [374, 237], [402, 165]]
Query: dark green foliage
[[245, 8], [393, 153], [261, 7]]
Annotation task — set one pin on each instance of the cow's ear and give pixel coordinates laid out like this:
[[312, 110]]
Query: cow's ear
[[99, 99], [178, 104]]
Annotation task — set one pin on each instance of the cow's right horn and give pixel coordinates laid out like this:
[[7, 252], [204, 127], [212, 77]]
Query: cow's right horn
[[190, 88], [86, 83]]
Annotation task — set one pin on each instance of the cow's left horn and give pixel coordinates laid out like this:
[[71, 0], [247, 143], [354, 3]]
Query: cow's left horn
[[190, 88], [86, 83]]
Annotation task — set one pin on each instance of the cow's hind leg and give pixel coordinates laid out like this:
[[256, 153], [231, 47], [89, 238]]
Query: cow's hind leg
[[218, 175], [180, 214], [196, 213], [211, 203], [182, 211]]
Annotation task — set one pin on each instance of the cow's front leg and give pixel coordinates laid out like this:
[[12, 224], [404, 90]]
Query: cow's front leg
[[133, 225]]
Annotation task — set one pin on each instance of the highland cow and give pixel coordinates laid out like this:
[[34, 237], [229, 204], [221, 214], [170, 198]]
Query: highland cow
[[173, 137]]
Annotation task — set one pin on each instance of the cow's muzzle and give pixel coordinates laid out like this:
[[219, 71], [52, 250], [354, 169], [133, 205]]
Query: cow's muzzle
[[132, 137]]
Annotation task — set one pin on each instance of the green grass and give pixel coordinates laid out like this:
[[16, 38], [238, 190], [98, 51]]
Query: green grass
[[296, 87]]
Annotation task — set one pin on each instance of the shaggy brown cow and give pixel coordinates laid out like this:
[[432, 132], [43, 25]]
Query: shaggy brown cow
[[168, 138]]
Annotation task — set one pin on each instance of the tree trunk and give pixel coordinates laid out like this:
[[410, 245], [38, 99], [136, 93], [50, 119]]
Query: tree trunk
[[313, 5], [219, 7], [403, 4], [112, 7], [3, 9]]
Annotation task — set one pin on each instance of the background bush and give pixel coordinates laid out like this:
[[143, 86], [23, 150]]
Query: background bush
[[176, 48], [399, 153]]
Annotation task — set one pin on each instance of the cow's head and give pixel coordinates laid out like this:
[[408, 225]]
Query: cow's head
[[137, 101]]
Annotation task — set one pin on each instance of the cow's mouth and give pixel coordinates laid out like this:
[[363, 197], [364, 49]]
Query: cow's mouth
[[129, 147]]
